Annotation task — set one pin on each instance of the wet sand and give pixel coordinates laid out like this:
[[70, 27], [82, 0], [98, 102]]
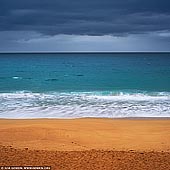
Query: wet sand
[[86, 143]]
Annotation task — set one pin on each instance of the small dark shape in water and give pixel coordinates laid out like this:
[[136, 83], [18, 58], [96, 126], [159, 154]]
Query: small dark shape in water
[[80, 75], [20, 71], [51, 80]]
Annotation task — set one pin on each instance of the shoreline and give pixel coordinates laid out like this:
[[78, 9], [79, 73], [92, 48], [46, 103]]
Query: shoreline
[[76, 118]]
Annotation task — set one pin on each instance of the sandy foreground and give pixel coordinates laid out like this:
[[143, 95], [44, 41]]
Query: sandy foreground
[[86, 143]]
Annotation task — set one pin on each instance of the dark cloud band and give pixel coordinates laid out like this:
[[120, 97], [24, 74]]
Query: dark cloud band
[[90, 17]]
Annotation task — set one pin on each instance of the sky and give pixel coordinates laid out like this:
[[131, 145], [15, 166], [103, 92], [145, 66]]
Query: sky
[[84, 25]]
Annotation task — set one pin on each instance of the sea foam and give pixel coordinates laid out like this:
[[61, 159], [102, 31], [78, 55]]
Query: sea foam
[[84, 104]]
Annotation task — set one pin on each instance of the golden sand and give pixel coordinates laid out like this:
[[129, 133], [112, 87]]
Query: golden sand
[[86, 143]]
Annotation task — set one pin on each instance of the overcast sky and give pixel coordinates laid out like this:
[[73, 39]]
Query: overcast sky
[[84, 25]]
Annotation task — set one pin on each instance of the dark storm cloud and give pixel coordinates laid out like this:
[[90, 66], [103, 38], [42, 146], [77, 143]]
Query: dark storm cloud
[[85, 17]]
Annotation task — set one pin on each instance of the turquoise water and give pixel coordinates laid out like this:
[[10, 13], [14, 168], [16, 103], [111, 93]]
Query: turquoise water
[[84, 85]]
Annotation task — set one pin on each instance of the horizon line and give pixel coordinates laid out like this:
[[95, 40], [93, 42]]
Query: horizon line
[[64, 52]]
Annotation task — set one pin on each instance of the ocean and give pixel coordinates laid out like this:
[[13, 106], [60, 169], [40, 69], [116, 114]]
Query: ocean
[[74, 85]]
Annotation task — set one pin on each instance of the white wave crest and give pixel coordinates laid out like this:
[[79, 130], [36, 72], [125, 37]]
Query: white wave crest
[[84, 104]]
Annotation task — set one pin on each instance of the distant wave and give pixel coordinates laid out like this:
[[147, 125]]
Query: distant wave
[[16, 77], [112, 104]]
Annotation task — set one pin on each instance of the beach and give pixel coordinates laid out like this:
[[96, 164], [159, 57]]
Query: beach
[[87, 143]]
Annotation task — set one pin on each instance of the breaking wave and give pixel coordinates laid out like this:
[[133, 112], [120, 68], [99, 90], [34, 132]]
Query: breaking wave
[[119, 104]]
